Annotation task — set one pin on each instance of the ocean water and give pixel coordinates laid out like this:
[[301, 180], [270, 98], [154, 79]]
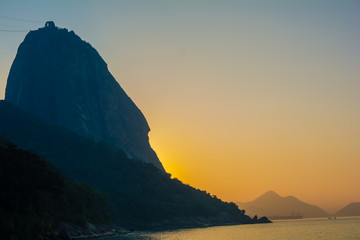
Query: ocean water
[[302, 229]]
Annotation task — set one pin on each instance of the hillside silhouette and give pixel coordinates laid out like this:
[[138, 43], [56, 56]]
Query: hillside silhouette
[[351, 210], [273, 205], [35, 198]]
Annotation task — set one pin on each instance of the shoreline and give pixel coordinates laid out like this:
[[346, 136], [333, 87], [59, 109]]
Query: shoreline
[[120, 231]]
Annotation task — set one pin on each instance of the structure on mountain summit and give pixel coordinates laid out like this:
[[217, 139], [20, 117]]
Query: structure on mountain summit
[[50, 24]]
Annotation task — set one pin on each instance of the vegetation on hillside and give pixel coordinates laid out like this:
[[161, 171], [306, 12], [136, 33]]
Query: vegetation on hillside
[[35, 198]]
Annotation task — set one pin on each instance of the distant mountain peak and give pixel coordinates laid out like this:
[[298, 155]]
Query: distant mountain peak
[[271, 194], [271, 204]]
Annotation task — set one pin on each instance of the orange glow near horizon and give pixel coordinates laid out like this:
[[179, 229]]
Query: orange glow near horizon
[[252, 172]]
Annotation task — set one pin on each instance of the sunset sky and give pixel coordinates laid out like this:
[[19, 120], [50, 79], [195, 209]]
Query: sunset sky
[[241, 97]]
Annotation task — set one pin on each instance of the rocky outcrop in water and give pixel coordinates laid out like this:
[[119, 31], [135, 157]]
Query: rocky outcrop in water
[[64, 80]]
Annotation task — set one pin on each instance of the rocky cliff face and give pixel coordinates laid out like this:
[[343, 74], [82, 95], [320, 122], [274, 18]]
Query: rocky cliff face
[[64, 80]]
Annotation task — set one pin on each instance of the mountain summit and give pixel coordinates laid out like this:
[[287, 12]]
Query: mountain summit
[[63, 79], [274, 206]]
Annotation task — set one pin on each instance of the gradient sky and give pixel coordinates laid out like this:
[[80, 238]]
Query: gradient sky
[[241, 97]]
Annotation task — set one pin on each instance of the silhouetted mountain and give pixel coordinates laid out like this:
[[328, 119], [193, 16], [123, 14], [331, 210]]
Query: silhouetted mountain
[[272, 205], [35, 199], [141, 194], [64, 80], [353, 209]]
